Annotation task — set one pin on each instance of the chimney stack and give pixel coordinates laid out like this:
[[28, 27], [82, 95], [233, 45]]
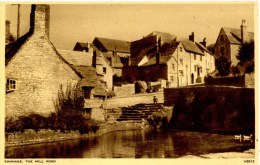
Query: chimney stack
[[204, 43], [94, 59], [158, 50], [40, 19], [7, 31], [243, 31], [192, 37]]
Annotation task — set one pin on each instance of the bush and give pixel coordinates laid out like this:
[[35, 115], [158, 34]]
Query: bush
[[33, 121]]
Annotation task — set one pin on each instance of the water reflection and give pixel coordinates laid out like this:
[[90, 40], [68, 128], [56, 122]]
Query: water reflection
[[131, 144]]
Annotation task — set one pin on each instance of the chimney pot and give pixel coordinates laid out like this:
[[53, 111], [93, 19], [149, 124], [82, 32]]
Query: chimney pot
[[192, 37]]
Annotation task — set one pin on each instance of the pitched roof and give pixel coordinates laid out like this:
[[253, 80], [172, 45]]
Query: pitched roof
[[190, 46], [91, 79], [203, 48], [112, 44], [152, 61], [234, 35], [12, 48], [77, 58], [116, 60], [165, 37]]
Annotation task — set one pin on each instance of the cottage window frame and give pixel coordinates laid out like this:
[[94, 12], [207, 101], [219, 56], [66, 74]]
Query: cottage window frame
[[173, 66], [11, 85], [87, 92], [181, 61], [181, 73], [104, 70]]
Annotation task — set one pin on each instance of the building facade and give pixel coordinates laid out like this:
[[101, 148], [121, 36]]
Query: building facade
[[180, 62], [96, 59], [34, 70], [229, 41]]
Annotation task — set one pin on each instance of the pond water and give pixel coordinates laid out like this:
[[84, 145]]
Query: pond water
[[132, 144]]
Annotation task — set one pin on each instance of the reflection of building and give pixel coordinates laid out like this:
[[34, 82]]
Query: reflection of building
[[161, 56], [229, 40], [35, 70]]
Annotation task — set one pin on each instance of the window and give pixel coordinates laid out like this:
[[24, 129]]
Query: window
[[173, 67], [200, 57], [181, 73], [195, 68], [104, 70], [180, 49], [181, 61], [194, 56], [86, 92], [11, 85], [171, 78]]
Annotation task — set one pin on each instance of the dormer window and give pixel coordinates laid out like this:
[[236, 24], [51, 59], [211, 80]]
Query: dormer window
[[11, 85]]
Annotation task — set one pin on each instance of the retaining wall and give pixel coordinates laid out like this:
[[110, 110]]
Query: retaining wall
[[46, 135], [212, 108]]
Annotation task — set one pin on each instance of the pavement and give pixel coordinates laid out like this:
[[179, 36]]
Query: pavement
[[130, 100]]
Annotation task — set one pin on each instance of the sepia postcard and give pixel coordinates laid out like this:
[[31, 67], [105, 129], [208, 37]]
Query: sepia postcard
[[128, 82]]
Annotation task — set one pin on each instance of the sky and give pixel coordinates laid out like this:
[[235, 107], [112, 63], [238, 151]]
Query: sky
[[72, 23]]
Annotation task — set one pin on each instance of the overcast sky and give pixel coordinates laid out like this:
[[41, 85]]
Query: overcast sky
[[129, 22]]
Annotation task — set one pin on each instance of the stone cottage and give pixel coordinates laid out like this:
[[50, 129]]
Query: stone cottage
[[93, 87], [117, 53], [98, 61], [34, 70], [229, 40]]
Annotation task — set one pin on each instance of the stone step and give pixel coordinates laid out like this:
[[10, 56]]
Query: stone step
[[120, 119]]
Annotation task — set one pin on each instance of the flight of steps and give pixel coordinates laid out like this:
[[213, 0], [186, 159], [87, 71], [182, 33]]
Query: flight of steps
[[138, 112]]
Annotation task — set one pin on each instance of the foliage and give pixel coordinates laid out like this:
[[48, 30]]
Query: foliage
[[223, 66], [246, 57], [32, 121], [69, 115], [235, 70]]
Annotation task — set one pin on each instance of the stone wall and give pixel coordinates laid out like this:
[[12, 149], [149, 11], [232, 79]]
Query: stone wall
[[124, 89], [96, 105], [246, 80], [212, 108], [250, 80], [146, 73], [47, 135], [39, 71]]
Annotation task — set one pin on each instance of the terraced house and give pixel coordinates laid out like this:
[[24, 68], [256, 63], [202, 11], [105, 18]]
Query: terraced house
[[175, 62]]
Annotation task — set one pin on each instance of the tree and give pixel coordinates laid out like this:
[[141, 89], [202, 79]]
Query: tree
[[246, 56], [223, 66]]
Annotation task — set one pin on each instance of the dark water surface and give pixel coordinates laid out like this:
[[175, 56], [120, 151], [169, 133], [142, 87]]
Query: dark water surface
[[132, 144]]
